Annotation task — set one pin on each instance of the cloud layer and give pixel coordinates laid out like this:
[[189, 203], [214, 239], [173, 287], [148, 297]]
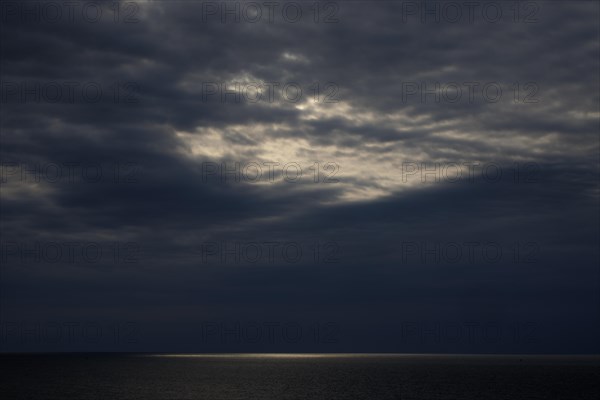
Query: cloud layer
[[414, 151]]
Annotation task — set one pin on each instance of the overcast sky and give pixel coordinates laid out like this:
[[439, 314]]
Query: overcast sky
[[364, 176]]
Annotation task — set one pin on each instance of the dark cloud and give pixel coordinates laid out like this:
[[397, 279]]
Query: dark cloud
[[367, 268]]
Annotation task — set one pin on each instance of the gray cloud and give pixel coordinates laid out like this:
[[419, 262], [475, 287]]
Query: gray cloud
[[162, 131]]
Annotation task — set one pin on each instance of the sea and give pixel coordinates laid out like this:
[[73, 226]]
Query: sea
[[298, 376]]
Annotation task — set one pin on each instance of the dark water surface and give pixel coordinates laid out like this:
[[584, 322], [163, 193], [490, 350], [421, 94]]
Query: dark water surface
[[213, 377]]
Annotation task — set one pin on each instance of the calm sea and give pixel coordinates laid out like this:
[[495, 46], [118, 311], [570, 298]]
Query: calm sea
[[277, 377]]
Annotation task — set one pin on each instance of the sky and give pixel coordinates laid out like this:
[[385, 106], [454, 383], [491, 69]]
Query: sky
[[345, 176]]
